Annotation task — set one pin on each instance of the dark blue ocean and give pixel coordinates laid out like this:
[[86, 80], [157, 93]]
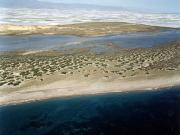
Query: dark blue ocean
[[131, 113]]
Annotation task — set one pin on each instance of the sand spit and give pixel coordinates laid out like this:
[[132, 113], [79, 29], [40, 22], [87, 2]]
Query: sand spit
[[44, 75], [66, 88]]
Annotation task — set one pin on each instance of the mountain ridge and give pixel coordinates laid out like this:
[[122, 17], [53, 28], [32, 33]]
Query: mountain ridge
[[44, 4]]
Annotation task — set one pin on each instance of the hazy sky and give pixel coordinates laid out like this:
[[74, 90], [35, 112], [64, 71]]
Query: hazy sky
[[150, 5]]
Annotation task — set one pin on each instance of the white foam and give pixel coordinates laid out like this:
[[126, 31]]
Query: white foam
[[26, 16]]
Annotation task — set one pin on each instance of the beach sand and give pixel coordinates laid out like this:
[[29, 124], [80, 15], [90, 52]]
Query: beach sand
[[65, 88]]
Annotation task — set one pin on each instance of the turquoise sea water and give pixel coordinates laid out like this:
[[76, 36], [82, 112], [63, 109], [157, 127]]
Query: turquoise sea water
[[135, 113]]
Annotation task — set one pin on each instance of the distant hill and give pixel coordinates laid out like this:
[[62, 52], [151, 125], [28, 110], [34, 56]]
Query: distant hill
[[42, 4]]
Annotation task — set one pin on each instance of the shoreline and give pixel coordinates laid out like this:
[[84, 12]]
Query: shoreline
[[61, 89]]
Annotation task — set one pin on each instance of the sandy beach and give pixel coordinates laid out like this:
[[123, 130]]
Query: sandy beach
[[65, 88]]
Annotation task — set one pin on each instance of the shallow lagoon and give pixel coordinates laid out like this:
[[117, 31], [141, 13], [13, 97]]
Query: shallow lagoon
[[99, 43], [138, 113]]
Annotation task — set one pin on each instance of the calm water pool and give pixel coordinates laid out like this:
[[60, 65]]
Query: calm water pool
[[99, 44]]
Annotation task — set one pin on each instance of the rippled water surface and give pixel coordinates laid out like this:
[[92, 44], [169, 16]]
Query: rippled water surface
[[135, 113]]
